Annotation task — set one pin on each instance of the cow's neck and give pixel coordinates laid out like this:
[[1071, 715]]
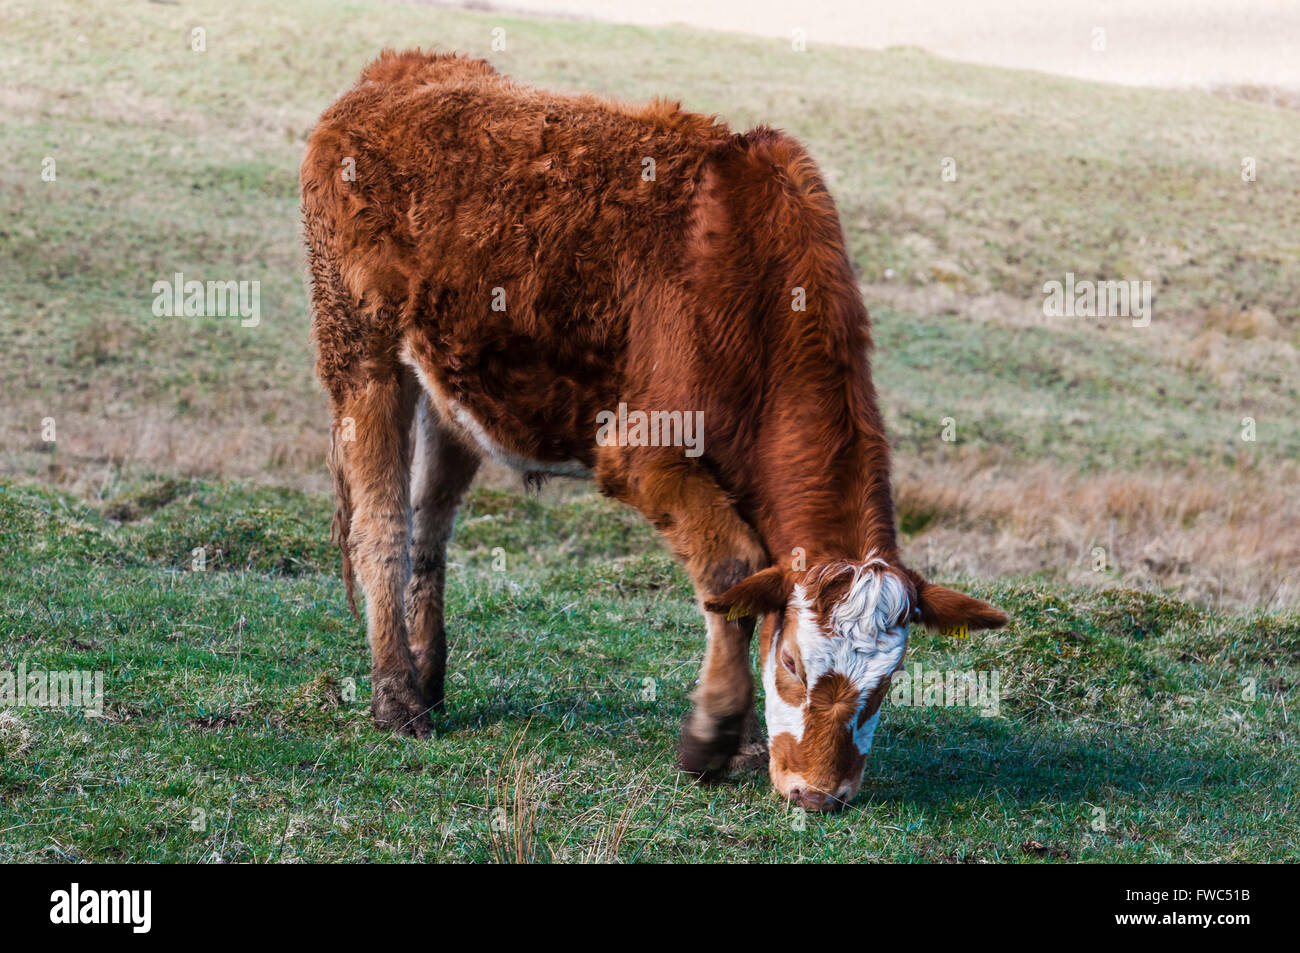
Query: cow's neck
[[809, 460], [821, 485]]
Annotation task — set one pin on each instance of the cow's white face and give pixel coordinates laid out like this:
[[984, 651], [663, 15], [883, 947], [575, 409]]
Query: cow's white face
[[832, 638], [827, 663]]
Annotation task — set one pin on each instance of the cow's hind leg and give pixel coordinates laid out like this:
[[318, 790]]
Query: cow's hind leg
[[371, 459], [719, 549], [443, 470]]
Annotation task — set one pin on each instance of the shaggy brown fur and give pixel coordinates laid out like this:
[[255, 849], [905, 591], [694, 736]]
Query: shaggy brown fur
[[502, 258]]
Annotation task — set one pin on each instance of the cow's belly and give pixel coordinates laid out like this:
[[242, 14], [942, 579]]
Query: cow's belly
[[494, 437]]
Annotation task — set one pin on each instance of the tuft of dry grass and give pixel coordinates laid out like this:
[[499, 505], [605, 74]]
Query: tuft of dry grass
[[518, 793], [518, 816], [15, 736], [1217, 539], [606, 843]]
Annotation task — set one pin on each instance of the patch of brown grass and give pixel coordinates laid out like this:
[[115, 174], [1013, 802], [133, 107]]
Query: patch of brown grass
[[1276, 96], [1229, 538], [94, 450], [1230, 344]]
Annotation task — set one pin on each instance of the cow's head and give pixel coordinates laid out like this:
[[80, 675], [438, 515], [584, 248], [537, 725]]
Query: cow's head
[[832, 637]]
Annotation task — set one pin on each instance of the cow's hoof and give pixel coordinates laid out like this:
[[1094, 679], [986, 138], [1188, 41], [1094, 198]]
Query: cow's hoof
[[705, 746], [396, 704]]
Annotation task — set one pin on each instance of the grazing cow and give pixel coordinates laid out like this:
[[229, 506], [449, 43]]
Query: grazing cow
[[497, 270]]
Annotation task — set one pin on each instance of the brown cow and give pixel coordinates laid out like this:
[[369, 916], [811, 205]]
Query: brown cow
[[499, 270]]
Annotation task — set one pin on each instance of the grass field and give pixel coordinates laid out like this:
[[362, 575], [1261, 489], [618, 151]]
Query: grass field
[[1155, 689], [227, 693]]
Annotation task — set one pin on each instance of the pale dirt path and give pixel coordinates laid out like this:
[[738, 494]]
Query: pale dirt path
[[1148, 42]]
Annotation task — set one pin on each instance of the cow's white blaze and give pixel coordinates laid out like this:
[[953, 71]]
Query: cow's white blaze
[[866, 648], [781, 715]]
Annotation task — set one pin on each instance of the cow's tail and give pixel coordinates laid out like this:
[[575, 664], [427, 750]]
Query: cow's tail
[[342, 524]]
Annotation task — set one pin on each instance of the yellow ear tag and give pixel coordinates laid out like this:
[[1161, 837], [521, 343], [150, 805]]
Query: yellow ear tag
[[735, 612]]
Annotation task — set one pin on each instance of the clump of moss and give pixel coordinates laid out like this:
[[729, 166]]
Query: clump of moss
[[131, 506], [263, 529], [47, 527]]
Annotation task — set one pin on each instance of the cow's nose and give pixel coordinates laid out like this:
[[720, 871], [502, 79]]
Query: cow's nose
[[808, 799]]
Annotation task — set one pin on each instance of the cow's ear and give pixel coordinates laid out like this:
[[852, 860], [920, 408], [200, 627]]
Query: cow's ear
[[765, 591], [944, 608]]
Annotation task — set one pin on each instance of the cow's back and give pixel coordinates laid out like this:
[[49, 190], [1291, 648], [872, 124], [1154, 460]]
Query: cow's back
[[499, 236], [466, 182]]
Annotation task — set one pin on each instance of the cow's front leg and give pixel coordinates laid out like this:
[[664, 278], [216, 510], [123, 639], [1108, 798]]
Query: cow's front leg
[[724, 699], [719, 549]]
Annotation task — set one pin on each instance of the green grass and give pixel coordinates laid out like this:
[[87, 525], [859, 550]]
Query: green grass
[[227, 692]]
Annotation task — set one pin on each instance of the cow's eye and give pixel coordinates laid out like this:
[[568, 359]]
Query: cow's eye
[[787, 659]]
